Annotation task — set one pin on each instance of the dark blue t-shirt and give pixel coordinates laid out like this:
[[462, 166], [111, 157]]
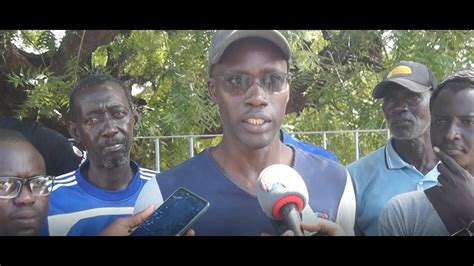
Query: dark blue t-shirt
[[234, 211]]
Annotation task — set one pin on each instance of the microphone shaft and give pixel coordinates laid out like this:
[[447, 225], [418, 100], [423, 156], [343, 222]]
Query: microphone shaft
[[292, 218]]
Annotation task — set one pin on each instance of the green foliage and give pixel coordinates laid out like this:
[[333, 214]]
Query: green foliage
[[350, 64], [46, 40], [41, 41], [47, 94], [6, 37], [100, 57], [177, 100], [442, 51], [339, 94]]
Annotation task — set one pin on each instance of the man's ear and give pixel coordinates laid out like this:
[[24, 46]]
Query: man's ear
[[137, 119], [211, 89], [73, 131]]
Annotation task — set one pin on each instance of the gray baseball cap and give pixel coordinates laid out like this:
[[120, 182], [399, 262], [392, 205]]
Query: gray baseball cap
[[223, 38], [411, 75]]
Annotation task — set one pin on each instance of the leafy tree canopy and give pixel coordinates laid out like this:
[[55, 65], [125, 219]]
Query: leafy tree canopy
[[334, 74]]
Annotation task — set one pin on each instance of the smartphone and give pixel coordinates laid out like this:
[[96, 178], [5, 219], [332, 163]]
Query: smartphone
[[176, 215]]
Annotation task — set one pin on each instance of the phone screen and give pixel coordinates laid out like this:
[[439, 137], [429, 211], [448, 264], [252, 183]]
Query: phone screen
[[174, 216]]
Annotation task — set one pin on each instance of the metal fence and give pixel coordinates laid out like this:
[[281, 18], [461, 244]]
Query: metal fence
[[324, 134]]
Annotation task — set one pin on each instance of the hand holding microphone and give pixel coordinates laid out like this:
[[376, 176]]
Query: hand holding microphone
[[283, 196]]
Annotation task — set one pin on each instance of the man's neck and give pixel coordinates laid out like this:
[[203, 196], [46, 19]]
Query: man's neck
[[417, 152], [113, 179], [243, 166]]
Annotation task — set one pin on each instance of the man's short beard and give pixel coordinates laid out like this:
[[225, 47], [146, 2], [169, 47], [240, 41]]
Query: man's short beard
[[113, 162], [409, 133], [403, 134]]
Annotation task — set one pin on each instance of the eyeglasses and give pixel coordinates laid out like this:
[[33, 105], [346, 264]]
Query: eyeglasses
[[237, 84], [10, 187]]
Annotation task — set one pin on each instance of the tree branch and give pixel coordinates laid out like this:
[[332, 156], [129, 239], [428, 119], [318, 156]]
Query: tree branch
[[74, 45]]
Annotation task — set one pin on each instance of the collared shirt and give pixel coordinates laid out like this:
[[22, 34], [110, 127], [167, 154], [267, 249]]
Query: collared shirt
[[378, 177]]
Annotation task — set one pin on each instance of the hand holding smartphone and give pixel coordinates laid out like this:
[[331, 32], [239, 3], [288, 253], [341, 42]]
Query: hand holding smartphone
[[176, 215]]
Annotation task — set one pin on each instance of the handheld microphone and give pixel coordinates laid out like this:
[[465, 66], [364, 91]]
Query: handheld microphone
[[283, 195]]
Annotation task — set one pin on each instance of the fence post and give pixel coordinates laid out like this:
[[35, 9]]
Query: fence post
[[325, 144], [157, 154], [357, 144], [190, 139], [191, 147]]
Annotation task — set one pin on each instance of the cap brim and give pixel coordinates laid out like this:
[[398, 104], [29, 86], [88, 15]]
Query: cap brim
[[270, 35], [379, 90]]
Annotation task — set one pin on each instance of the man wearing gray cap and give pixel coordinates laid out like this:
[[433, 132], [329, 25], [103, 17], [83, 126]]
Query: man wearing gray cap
[[249, 81], [407, 162]]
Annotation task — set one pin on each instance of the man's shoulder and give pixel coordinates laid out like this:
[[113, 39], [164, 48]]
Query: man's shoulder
[[318, 151], [147, 174], [64, 178], [306, 146], [64, 182], [310, 158], [64, 193], [371, 159], [409, 205], [410, 200], [369, 168], [312, 165], [194, 174], [194, 165], [405, 212]]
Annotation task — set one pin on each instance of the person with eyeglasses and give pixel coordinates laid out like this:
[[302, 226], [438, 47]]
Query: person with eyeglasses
[[250, 83], [447, 208], [24, 186]]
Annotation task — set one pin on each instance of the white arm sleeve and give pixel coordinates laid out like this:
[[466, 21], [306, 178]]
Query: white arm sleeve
[[347, 208], [150, 194]]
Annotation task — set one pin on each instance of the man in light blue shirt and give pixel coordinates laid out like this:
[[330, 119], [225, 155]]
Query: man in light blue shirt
[[407, 162]]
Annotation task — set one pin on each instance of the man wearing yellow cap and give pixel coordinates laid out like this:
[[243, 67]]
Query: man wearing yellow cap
[[407, 162]]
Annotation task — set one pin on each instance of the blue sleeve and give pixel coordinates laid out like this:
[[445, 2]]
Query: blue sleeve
[[288, 139]]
